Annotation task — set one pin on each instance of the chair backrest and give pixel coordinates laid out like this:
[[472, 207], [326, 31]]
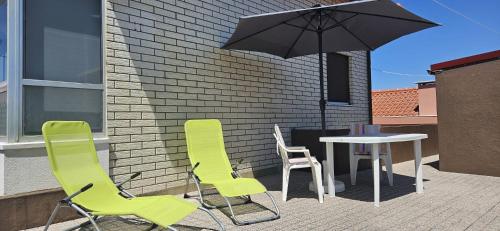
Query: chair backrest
[[280, 144], [205, 144], [363, 129], [74, 163]]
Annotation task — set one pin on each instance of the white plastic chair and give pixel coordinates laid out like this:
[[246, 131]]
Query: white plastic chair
[[363, 151], [294, 163]]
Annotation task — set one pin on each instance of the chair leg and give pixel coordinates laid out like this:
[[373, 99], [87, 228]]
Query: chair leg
[[221, 226], [152, 227], [238, 222], [171, 228], [353, 162], [52, 216], [388, 166], [91, 219], [187, 186], [354, 170], [286, 176], [200, 192], [318, 181], [380, 169]]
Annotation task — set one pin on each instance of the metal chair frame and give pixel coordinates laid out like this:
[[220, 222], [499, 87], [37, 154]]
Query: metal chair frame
[[67, 202], [233, 217]]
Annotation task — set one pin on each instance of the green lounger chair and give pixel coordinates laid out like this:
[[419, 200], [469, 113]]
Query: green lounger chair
[[91, 192], [211, 166]]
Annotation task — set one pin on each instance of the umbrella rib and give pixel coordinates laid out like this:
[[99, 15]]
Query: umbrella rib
[[338, 23], [313, 13], [385, 16], [352, 33], [265, 29], [302, 28], [298, 37], [307, 21], [326, 22]]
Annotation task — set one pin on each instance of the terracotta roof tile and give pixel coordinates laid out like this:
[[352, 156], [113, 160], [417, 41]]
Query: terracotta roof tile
[[395, 102]]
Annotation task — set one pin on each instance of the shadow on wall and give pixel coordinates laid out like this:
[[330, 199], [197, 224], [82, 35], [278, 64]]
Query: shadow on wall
[[137, 106], [403, 151], [163, 69], [155, 84]]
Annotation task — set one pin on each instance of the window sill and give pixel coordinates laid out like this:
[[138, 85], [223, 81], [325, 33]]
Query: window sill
[[39, 144], [338, 104]]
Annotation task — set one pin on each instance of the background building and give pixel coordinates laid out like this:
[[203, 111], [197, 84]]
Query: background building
[[405, 106], [468, 94], [408, 110], [136, 71]]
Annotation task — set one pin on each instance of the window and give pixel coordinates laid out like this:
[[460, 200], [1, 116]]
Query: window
[[3, 65], [51, 65], [338, 78], [62, 66]]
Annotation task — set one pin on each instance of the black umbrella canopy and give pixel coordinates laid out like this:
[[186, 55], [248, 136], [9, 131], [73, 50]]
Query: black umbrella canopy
[[359, 25]]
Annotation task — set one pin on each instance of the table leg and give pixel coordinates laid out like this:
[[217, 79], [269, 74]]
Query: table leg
[[330, 176], [376, 174], [417, 149]]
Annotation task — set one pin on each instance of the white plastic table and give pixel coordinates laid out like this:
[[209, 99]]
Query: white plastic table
[[375, 140]]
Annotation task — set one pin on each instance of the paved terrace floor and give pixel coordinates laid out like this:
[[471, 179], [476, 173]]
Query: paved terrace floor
[[450, 201]]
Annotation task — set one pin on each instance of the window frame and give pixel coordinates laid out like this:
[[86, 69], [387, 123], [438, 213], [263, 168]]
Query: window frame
[[16, 81], [349, 78], [4, 138]]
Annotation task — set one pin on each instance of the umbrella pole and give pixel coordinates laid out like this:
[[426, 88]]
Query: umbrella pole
[[322, 102]]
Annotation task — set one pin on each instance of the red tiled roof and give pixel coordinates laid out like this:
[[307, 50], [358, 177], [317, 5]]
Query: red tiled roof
[[395, 102]]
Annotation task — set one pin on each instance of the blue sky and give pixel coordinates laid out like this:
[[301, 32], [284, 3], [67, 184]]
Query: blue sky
[[456, 38]]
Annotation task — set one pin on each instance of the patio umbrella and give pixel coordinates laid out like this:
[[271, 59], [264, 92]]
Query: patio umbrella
[[359, 25]]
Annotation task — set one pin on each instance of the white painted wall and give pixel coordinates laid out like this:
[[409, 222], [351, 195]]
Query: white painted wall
[[2, 170], [27, 170]]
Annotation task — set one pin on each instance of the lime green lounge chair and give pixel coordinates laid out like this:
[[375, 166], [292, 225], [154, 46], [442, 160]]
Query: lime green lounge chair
[[91, 192], [211, 166]]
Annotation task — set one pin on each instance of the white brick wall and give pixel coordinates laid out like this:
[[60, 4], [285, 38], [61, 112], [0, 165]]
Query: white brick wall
[[164, 66]]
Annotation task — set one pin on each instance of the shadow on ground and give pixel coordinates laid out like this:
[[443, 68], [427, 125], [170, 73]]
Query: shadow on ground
[[403, 185], [434, 164], [132, 224], [243, 208], [299, 186]]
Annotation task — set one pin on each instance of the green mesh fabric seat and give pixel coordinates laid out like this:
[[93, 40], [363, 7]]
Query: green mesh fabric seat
[[238, 187], [90, 191], [211, 166]]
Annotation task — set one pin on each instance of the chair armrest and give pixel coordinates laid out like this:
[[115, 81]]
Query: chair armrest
[[235, 168], [83, 189], [297, 147], [296, 150], [194, 167], [120, 184], [306, 152], [191, 172]]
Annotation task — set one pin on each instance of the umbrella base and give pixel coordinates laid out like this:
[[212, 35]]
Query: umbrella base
[[339, 186]]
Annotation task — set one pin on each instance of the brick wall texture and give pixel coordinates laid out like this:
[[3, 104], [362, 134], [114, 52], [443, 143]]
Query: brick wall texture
[[164, 66]]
